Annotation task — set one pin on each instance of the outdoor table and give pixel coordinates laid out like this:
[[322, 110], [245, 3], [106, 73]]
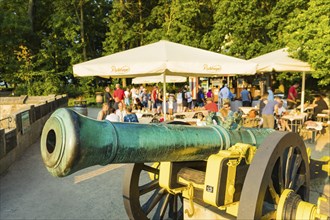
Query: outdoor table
[[255, 103], [186, 115], [308, 108], [144, 115], [246, 110], [295, 121], [235, 105], [322, 117], [313, 130], [326, 111]]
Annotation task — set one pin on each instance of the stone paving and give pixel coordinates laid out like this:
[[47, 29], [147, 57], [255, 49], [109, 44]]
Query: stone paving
[[320, 187], [28, 191]]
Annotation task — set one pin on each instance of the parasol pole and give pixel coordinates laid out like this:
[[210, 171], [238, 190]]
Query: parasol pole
[[303, 92], [164, 95]]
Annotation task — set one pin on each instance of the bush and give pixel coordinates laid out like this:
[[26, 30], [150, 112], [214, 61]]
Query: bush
[[72, 91], [20, 89]]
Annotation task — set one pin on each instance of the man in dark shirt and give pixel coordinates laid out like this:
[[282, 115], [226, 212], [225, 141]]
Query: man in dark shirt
[[200, 97], [108, 97], [246, 97], [320, 106]]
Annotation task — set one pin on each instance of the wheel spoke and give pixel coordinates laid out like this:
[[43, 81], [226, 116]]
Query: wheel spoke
[[175, 213], [299, 182], [269, 215], [281, 174], [148, 187], [154, 201], [174, 207], [288, 167], [296, 165], [150, 169], [146, 205], [273, 193], [164, 206]]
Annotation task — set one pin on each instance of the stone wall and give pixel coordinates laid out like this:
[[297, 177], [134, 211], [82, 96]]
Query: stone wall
[[25, 127], [8, 112], [10, 106]]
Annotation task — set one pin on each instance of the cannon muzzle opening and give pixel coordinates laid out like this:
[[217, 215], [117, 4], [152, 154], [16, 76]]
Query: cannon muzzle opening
[[59, 143]]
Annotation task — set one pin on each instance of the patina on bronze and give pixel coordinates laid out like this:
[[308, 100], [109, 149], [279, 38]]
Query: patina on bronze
[[71, 142]]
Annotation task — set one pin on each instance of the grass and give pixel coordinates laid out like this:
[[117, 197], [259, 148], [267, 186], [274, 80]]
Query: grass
[[90, 101]]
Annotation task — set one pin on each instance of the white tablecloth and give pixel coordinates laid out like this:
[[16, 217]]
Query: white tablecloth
[[246, 110], [295, 121], [235, 105]]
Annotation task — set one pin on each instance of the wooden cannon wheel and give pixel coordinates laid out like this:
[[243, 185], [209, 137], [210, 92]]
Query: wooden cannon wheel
[[147, 200], [280, 163]]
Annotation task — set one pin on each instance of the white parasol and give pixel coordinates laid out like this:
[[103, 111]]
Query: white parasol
[[164, 58], [280, 61]]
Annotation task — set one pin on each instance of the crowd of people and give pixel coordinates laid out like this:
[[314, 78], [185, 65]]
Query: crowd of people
[[141, 99], [119, 105]]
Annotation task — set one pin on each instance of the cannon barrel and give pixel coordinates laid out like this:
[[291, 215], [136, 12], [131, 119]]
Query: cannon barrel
[[71, 142]]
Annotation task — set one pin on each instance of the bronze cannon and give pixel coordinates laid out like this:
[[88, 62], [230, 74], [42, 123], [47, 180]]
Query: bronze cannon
[[240, 172], [70, 142]]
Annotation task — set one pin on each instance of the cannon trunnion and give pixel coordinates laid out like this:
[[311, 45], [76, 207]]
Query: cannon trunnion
[[182, 171]]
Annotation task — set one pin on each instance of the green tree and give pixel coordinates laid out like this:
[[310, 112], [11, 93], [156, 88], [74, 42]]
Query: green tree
[[126, 25], [59, 38], [308, 37], [183, 22], [136, 23], [15, 31], [248, 28]]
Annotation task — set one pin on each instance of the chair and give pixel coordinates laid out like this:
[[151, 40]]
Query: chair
[[311, 129], [322, 118]]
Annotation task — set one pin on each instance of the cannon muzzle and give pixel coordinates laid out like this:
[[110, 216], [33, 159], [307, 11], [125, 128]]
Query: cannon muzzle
[[71, 142]]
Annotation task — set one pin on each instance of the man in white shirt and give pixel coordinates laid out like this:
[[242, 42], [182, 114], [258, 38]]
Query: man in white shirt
[[224, 96]]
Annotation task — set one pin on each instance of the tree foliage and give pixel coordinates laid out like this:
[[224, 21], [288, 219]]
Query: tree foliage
[[308, 37], [54, 35]]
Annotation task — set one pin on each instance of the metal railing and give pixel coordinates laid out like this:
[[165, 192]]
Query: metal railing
[[9, 119]]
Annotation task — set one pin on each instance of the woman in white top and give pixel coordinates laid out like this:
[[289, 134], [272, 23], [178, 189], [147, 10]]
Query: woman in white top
[[121, 112], [127, 95], [112, 116], [279, 112], [179, 101], [189, 98], [170, 103]]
